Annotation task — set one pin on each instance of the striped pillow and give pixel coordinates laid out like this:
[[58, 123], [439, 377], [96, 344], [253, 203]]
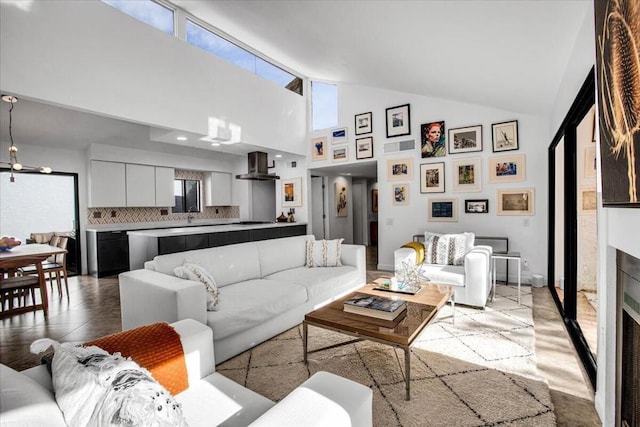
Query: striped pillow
[[448, 249], [324, 253]]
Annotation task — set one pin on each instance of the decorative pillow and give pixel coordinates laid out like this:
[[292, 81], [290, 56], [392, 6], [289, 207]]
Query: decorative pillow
[[93, 387], [419, 248], [447, 249], [165, 361], [324, 253], [193, 271]]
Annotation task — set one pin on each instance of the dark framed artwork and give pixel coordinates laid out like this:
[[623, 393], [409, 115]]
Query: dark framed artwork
[[374, 200], [617, 28], [363, 123], [465, 140], [432, 178], [445, 209], [505, 136], [398, 121], [364, 148], [433, 139], [476, 206]]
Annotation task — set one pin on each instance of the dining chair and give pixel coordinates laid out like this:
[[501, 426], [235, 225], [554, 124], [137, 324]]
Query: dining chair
[[15, 289], [55, 264]]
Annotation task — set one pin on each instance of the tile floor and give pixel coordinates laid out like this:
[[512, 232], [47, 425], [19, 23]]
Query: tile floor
[[93, 310]]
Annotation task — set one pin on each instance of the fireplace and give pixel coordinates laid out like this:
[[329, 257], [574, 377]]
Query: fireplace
[[628, 347]]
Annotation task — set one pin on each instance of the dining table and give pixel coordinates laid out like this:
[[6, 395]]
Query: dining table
[[30, 251]]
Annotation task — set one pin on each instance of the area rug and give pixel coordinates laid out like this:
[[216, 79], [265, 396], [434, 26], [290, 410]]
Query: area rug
[[445, 390], [501, 336]]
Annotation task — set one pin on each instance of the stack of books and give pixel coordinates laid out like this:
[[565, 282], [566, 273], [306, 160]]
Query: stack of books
[[375, 306]]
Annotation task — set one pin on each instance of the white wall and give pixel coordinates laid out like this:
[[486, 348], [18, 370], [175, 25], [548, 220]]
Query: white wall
[[399, 223], [106, 62]]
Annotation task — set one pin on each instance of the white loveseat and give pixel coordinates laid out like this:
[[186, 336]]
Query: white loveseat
[[265, 289], [472, 279], [27, 397]]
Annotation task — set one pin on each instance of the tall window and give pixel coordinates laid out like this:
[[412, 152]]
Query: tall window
[[187, 195], [222, 48], [324, 105], [147, 11]]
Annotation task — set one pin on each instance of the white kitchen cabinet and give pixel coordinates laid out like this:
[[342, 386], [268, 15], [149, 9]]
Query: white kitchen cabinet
[[141, 185], [218, 191], [164, 187], [108, 185]]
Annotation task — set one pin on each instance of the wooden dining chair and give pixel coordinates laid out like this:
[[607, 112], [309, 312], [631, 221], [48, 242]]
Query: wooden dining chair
[[16, 291], [54, 265]]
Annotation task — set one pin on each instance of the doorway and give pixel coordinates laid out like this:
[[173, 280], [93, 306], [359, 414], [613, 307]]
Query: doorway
[[42, 203], [573, 224]]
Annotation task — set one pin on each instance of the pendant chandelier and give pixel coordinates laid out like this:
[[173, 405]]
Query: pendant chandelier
[[15, 165]]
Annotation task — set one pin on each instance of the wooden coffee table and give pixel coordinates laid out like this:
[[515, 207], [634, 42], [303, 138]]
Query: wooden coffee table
[[421, 309]]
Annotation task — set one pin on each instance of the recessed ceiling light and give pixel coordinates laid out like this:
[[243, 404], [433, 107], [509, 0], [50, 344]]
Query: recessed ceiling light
[[215, 144], [181, 138], [278, 155]]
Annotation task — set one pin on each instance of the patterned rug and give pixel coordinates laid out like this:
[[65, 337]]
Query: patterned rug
[[445, 390]]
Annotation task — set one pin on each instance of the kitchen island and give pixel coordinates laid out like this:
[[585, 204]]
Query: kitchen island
[[144, 245]]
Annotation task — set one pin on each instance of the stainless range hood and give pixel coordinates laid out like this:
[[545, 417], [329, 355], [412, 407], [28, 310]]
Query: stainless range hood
[[258, 168]]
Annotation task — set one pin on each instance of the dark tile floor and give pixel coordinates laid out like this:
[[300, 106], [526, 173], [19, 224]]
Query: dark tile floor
[[93, 310]]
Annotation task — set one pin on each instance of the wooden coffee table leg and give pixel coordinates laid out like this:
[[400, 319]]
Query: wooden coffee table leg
[[407, 369], [304, 340]]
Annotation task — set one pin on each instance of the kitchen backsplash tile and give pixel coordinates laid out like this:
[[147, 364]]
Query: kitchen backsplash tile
[[152, 214]]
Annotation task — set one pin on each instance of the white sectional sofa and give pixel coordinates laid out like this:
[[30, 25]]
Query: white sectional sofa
[[27, 397], [265, 289], [472, 279]]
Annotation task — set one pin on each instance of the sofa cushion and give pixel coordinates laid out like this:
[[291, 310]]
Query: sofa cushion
[[228, 264], [24, 402], [442, 273], [282, 254], [247, 304], [321, 283], [193, 271], [217, 400], [324, 253]]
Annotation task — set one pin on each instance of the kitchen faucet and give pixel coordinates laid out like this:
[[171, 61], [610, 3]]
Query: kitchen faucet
[[189, 216]]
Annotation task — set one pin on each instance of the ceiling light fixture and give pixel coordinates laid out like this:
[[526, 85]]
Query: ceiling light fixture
[[13, 150], [181, 138]]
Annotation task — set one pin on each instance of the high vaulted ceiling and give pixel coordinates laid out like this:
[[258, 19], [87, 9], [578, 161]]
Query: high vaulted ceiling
[[507, 54]]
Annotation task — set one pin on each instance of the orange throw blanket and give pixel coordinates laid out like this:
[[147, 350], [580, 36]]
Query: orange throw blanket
[[156, 347]]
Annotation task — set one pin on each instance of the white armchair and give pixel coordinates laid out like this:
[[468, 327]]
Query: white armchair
[[472, 279]]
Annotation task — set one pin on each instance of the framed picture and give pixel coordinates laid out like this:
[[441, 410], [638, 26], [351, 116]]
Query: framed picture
[[400, 170], [476, 206], [400, 194], [433, 140], [398, 121], [590, 162], [616, 38], [432, 178], [505, 136], [363, 123], [364, 148], [588, 200], [341, 199], [374, 200], [443, 209], [515, 201], [291, 192], [507, 168], [465, 140], [319, 148], [338, 135], [467, 175], [340, 154]]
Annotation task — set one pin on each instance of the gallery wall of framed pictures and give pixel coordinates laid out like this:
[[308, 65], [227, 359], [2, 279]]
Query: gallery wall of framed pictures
[[450, 161]]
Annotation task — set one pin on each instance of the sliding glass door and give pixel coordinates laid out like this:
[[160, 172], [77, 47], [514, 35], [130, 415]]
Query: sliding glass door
[[573, 224]]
